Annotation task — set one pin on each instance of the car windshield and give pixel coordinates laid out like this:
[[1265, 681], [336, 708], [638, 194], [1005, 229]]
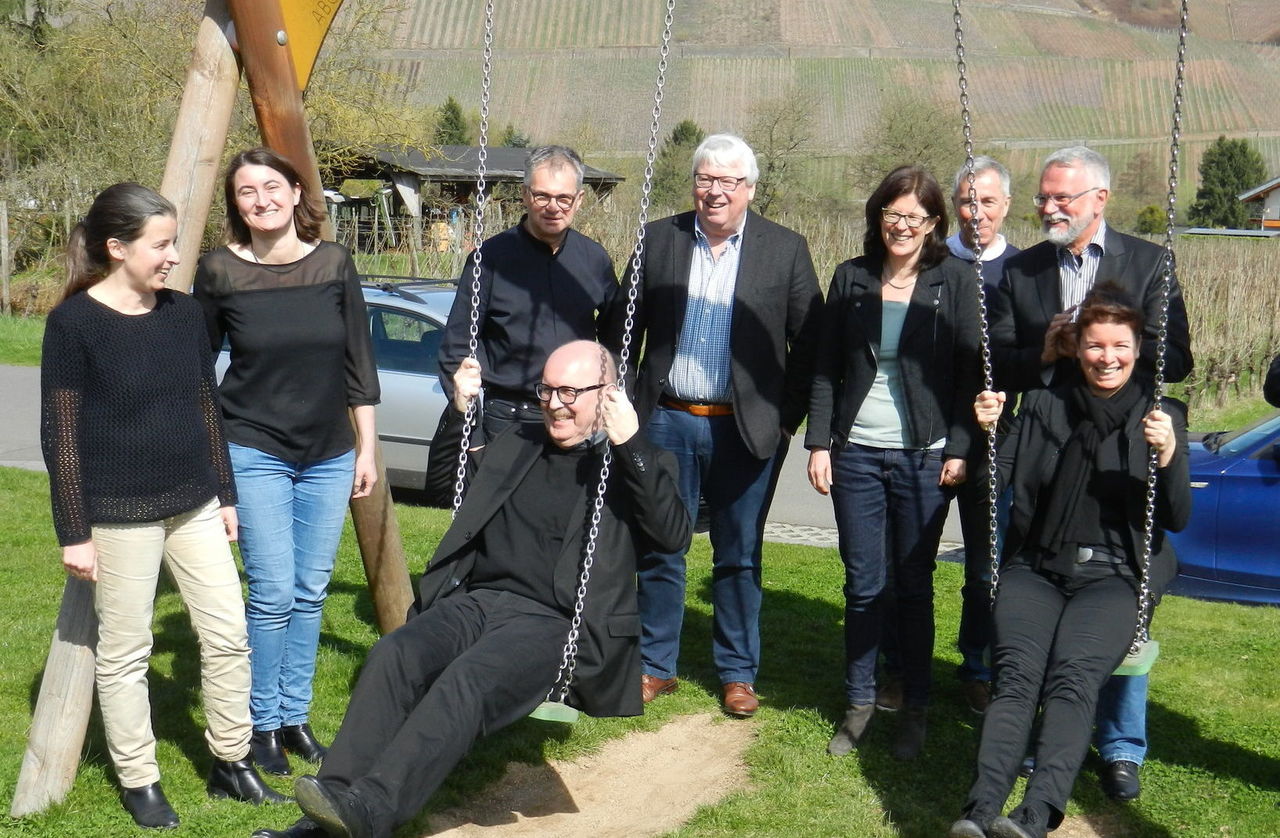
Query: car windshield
[[1234, 442]]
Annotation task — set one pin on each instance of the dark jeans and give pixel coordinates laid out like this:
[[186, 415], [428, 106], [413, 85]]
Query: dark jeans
[[738, 486], [1056, 643], [889, 511], [469, 665]]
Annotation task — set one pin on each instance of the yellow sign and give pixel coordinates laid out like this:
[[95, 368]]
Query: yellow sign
[[307, 22]]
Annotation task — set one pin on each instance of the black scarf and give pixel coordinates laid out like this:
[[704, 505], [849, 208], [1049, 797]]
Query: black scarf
[[1072, 516]]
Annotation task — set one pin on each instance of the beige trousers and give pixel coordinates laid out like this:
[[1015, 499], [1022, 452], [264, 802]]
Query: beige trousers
[[194, 547]]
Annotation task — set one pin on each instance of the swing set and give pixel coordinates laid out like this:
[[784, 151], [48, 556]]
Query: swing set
[[276, 43]]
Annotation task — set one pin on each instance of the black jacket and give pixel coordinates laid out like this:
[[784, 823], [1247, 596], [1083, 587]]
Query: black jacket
[[642, 512], [1028, 456], [937, 352], [776, 301]]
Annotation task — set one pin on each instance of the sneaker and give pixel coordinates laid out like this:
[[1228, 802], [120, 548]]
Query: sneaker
[[911, 732], [889, 695], [977, 694], [849, 734]]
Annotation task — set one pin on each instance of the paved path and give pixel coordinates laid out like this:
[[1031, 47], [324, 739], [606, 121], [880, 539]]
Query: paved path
[[20, 418]]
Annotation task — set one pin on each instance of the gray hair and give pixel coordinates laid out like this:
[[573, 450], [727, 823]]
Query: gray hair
[[556, 156], [981, 165], [1082, 157], [726, 150]]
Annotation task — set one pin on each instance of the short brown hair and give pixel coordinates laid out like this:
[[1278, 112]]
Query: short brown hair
[[1107, 302], [307, 217]]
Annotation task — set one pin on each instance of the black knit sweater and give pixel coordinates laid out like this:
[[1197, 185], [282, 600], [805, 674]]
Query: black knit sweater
[[129, 420]]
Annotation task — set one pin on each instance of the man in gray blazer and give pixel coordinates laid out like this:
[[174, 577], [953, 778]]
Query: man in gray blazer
[[1031, 348], [725, 312]]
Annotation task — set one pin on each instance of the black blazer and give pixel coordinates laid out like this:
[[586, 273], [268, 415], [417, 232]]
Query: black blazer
[[776, 301], [938, 355], [1271, 387], [1028, 456], [642, 512], [1028, 297]]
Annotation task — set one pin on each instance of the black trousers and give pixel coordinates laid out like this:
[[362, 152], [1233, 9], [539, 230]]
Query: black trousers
[[1056, 643], [467, 666]]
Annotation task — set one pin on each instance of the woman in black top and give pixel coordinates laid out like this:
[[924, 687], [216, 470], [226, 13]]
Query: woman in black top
[[139, 474], [1076, 457], [889, 428], [291, 308]]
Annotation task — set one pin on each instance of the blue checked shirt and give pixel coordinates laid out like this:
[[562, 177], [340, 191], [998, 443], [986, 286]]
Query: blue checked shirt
[[700, 371]]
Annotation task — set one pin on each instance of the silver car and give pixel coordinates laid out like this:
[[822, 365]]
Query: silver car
[[406, 323]]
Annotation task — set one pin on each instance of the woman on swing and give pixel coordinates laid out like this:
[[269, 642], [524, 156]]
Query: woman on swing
[[1076, 457]]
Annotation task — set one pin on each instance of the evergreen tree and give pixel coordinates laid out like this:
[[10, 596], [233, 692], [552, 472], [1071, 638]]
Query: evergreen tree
[[512, 138], [451, 124], [672, 186], [1228, 168]]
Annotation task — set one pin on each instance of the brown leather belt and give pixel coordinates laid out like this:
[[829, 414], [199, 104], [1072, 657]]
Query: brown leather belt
[[696, 408]]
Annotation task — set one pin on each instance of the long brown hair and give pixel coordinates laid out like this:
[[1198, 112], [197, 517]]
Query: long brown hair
[[307, 217], [119, 212]]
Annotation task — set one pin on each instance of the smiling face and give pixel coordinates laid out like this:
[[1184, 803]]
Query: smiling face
[[145, 262], [720, 213], [575, 365], [1107, 353], [902, 242], [993, 206], [1074, 224], [548, 224], [265, 199]]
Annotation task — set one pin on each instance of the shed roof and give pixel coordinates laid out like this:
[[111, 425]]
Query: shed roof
[[1259, 191], [454, 163]]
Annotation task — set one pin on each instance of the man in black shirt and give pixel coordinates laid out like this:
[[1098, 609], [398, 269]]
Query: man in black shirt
[[484, 640]]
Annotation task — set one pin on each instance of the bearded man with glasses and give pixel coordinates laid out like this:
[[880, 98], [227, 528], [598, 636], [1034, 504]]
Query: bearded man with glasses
[[541, 283], [1030, 349], [725, 312]]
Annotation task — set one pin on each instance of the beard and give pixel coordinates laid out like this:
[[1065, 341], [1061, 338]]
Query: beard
[[1067, 236]]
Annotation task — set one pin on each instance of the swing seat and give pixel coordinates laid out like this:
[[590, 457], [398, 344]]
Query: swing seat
[[555, 711], [1140, 662]]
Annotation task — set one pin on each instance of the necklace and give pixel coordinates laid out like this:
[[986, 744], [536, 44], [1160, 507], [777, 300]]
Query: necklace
[[893, 284]]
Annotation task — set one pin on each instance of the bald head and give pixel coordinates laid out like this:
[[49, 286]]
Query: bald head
[[577, 372]]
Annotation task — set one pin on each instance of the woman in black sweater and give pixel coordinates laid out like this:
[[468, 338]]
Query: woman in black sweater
[[292, 309], [889, 430], [139, 474], [1076, 457]]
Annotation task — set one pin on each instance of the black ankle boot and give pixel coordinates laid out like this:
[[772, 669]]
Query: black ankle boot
[[267, 751], [240, 781], [149, 808], [298, 739]]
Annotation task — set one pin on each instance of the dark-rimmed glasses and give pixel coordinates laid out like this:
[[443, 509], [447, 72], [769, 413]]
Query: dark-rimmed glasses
[[727, 184], [567, 395], [1059, 200], [892, 217], [543, 199]]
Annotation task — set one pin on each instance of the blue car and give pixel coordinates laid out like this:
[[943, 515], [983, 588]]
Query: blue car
[[1230, 550]]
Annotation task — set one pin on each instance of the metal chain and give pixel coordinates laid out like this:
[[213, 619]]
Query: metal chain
[[569, 656], [1141, 631], [988, 378], [477, 238]]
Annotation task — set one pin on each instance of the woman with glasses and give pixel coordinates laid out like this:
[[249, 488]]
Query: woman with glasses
[[890, 426], [292, 309]]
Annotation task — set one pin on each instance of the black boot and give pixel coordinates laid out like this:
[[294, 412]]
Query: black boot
[[911, 733], [341, 814], [304, 827], [240, 781], [149, 807], [298, 739], [976, 821], [1026, 821], [267, 751]]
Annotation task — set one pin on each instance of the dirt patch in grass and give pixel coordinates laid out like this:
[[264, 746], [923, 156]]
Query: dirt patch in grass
[[644, 784]]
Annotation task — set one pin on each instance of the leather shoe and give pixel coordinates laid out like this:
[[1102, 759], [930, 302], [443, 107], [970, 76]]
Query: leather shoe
[[1023, 822], [304, 827], [651, 686], [338, 814], [740, 699], [267, 751], [1120, 780], [149, 807], [298, 739], [977, 694], [239, 780], [975, 823]]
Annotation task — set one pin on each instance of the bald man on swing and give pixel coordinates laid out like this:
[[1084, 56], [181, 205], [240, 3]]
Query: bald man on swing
[[484, 639]]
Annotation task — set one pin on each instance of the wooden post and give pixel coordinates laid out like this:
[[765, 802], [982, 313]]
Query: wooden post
[[6, 264], [199, 137], [62, 709], [378, 533]]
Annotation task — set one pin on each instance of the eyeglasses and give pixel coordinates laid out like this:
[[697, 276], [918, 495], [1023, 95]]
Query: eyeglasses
[[892, 217], [727, 184], [1060, 200], [567, 395], [542, 199]]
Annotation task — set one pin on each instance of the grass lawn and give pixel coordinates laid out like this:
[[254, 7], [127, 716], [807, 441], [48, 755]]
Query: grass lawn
[[1214, 767], [20, 339]]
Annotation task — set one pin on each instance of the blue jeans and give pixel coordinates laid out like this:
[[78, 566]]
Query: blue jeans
[[889, 512], [715, 463], [1120, 731], [291, 517]]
